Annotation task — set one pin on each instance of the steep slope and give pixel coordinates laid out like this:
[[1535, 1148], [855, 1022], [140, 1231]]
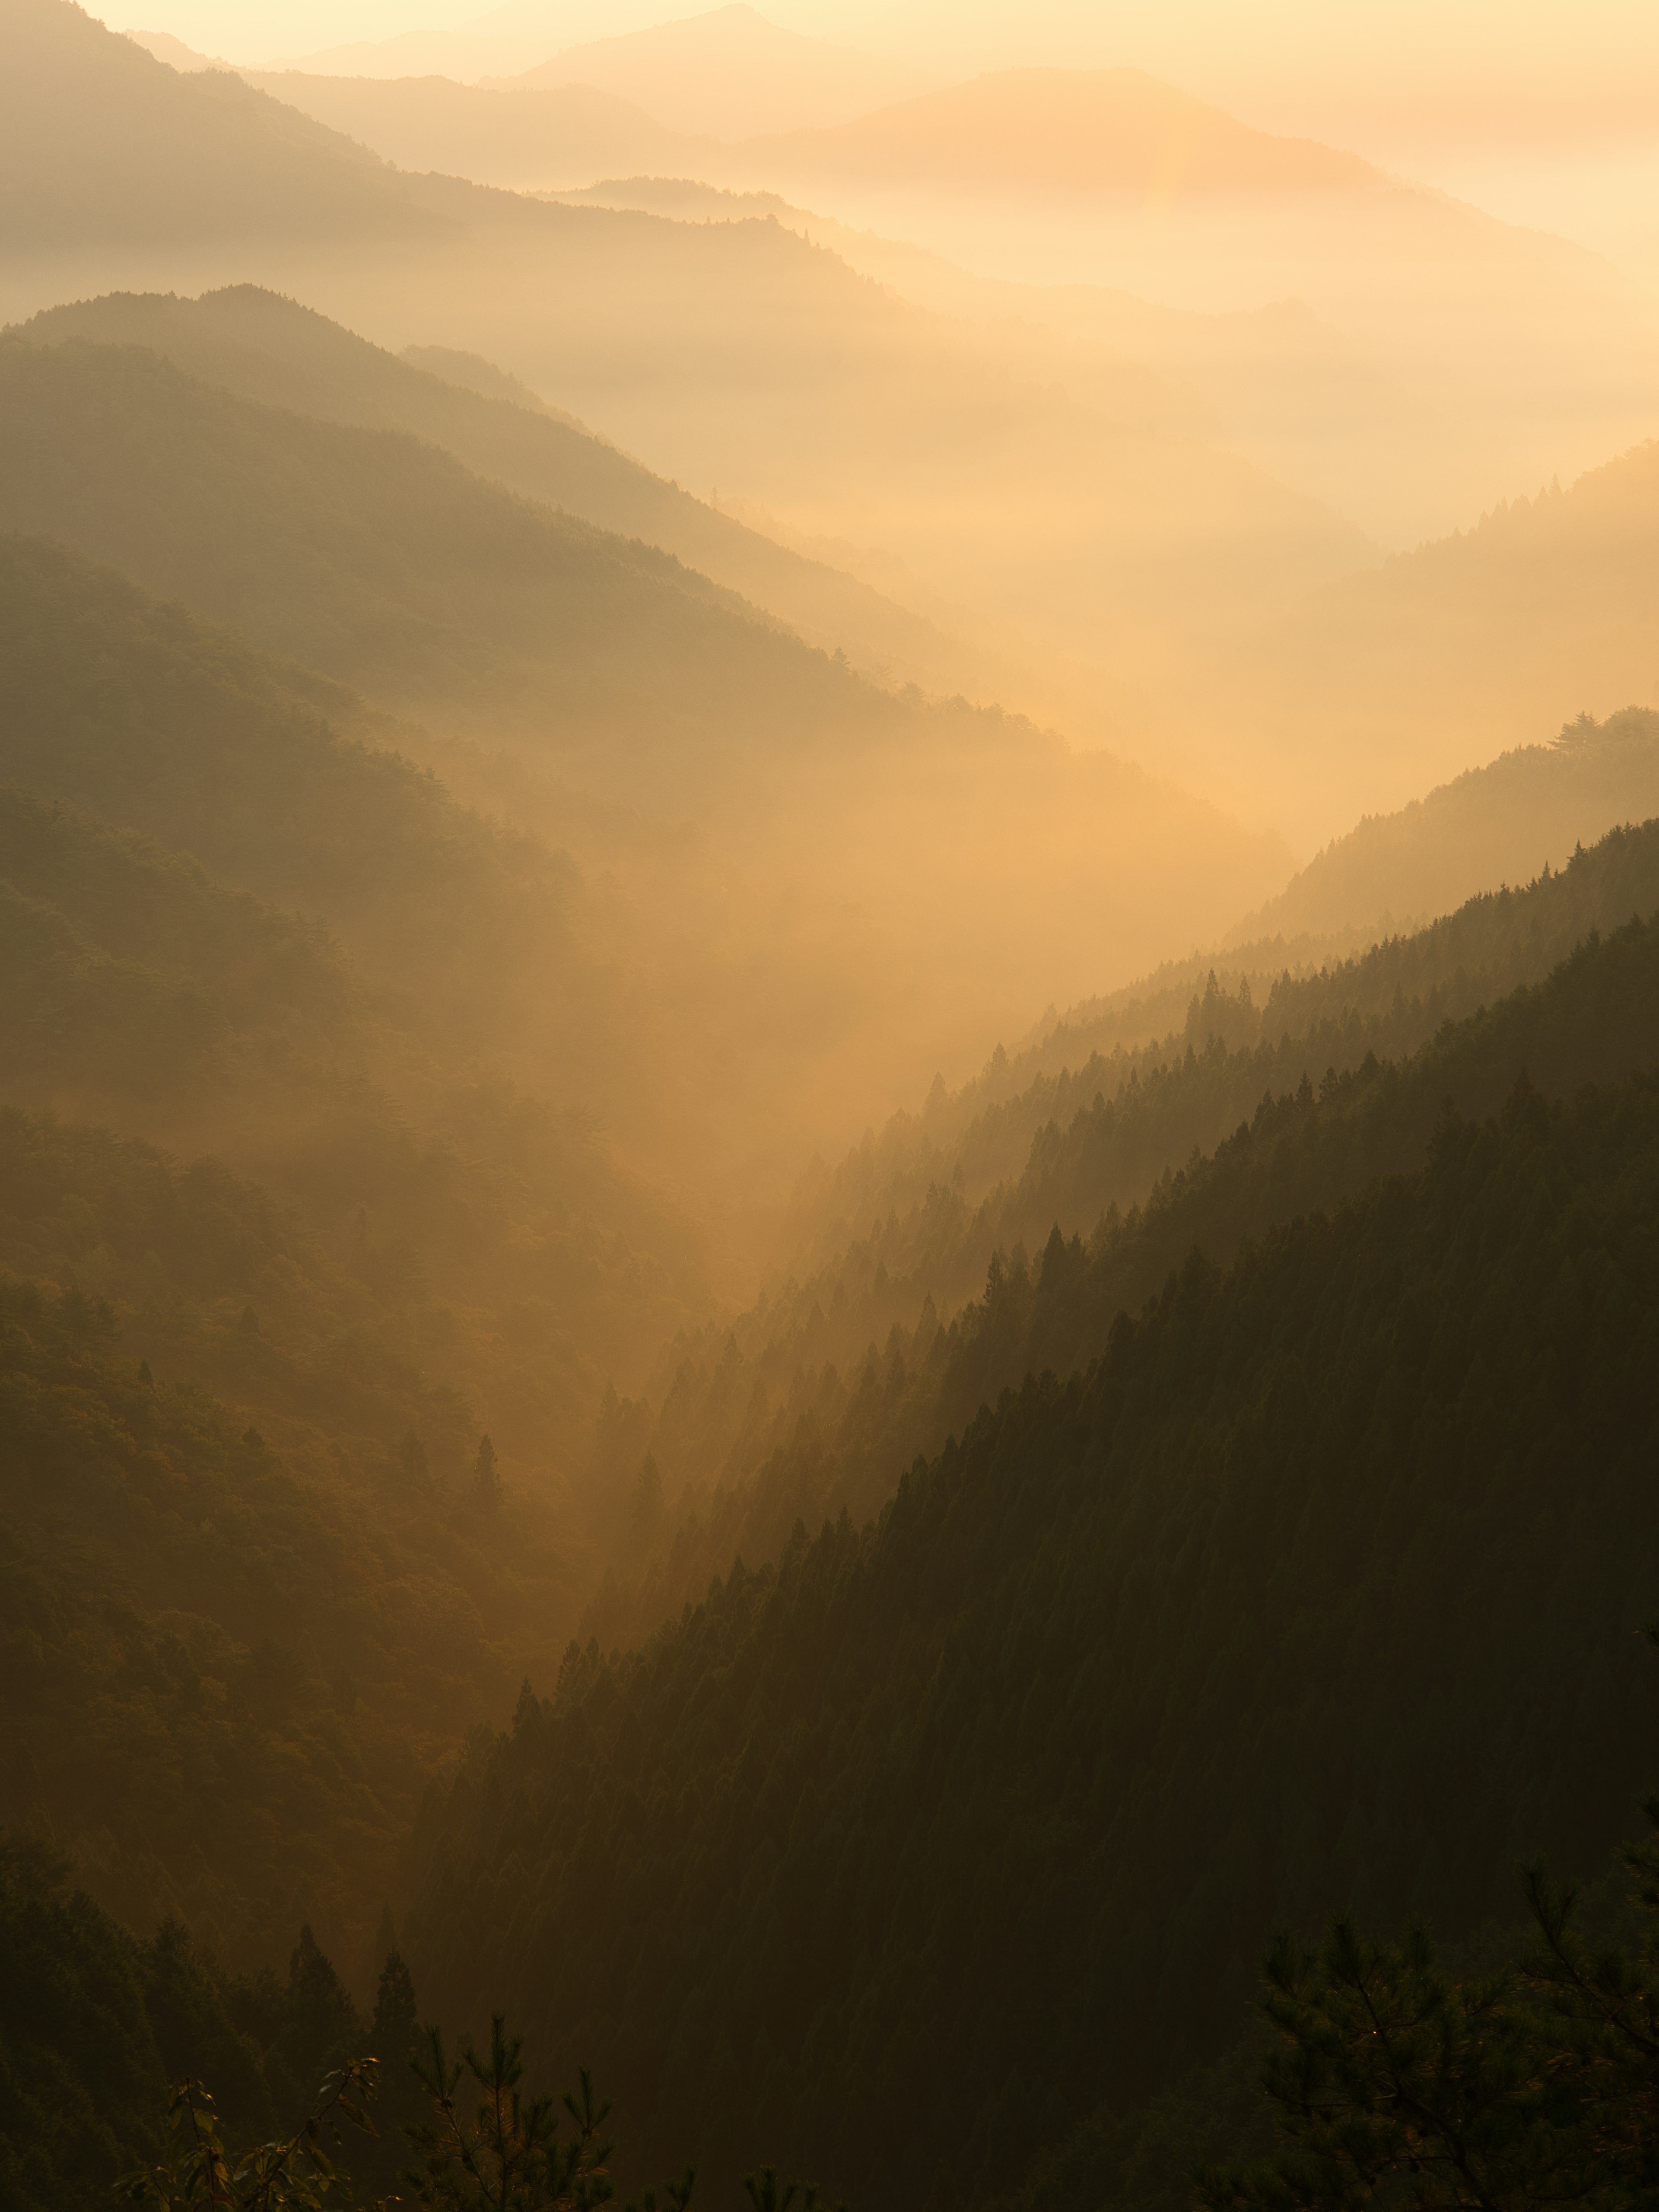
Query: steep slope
[[1491, 825], [1542, 612], [271, 350], [1310, 946], [948, 1786], [381, 562]]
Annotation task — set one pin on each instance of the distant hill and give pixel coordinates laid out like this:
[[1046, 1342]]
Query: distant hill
[[270, 349], [730, 73], [1494, 824], [106, 144], [518, 136], [381, 561], [1073, 129], [1544, 611], [174, 52]]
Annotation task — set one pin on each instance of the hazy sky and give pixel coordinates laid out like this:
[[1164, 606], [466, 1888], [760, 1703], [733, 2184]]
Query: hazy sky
[[1498, 66]]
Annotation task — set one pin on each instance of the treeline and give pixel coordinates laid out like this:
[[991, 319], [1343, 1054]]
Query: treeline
[[1319, 1584], [816, 1400]]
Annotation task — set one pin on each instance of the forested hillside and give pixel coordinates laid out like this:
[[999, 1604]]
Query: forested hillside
[[149, 987], [1494, 826], [882, 1343], [991, 1802], [97, 2023], [191, 1623]]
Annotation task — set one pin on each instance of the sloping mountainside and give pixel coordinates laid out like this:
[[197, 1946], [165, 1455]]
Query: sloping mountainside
[[1541, 613], [880, 1345], [382, 562], [104, 142], [268, 348], [1491, 825], [1100, 129], [517, 137], [902, 1852], [379, 559], [228, 1682]]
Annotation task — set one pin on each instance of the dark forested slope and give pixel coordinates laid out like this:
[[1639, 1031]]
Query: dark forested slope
[[1318, 1586], [824, 1390]]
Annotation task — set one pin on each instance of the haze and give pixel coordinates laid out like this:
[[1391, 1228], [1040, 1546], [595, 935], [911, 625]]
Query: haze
[[829, 958]]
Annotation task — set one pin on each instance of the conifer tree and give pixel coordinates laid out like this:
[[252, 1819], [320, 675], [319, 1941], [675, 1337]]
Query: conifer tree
[[487, 1476]]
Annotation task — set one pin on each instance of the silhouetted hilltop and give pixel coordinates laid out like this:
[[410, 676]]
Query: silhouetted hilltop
[[709, 342]]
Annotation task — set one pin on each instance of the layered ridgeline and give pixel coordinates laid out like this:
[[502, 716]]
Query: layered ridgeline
[[1315, 1584], [673, 737], [1037, 503], [266, 347], [875, 1349]]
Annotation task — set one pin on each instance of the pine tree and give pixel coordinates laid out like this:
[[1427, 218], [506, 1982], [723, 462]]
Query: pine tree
[[487, 1476]]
